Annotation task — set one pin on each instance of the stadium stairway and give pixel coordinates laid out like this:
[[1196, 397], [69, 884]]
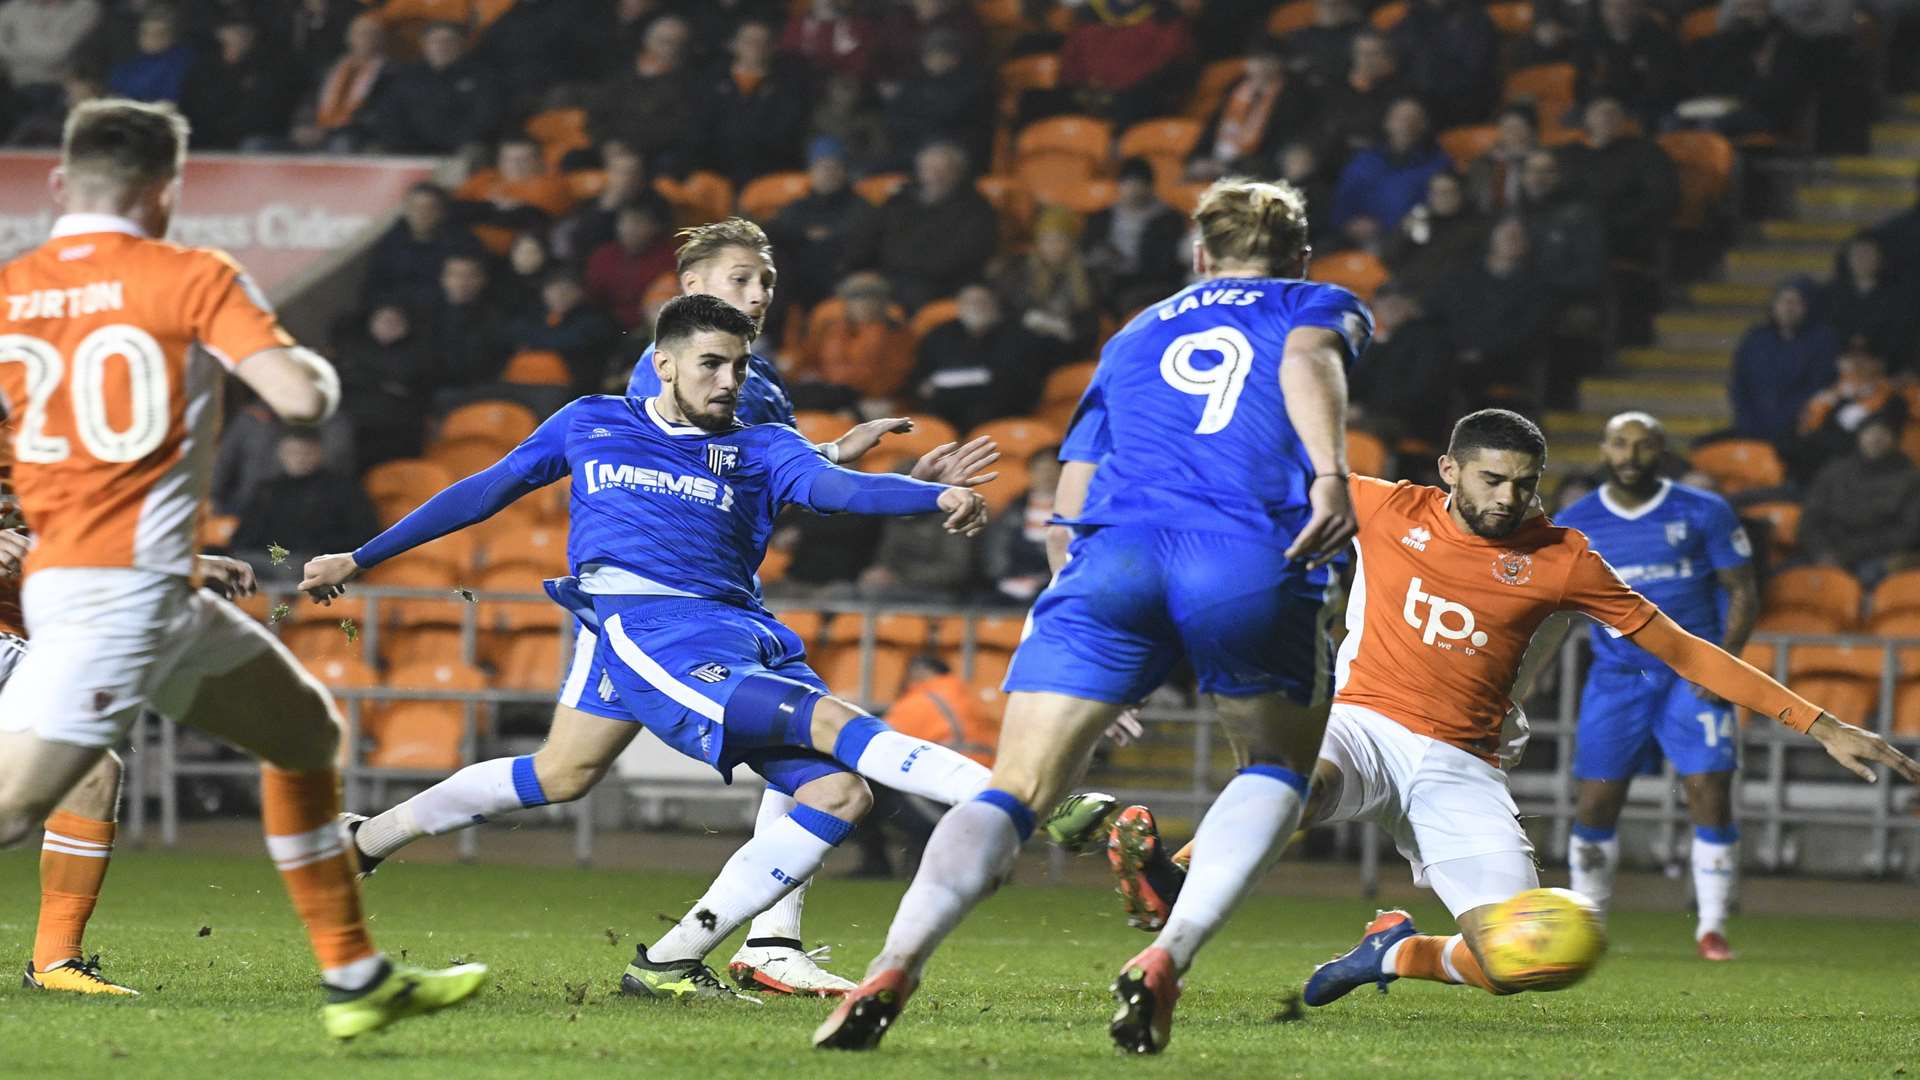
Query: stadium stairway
[[1682, 377]]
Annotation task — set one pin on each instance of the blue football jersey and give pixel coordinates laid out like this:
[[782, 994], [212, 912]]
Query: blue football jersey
[[667, 509], [1185, 415], [1668, 550], [763, 397]]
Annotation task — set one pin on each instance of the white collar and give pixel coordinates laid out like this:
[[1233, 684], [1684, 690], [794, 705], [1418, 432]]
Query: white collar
[[81, 224], [1640, 511], [670, 428]]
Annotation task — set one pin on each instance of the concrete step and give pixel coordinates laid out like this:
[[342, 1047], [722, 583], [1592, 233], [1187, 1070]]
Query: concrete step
[[1806, 232], [1728, 294], [1771, 266], [1666, 398], [1855, 203], [1588, 426], [1895, 137], [1695, 332], [1906, 105], [1900, 170], [1666, 362]]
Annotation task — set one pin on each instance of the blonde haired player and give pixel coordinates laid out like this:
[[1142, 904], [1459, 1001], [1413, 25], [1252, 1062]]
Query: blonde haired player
[[1450, 588], [113, 350]]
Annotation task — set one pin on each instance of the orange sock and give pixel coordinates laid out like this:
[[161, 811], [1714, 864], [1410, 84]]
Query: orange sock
[[1439, 959], [298, 810], [73, 863]]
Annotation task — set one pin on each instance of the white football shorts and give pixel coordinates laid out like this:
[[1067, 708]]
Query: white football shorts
[[1448, 812], [106, 643]]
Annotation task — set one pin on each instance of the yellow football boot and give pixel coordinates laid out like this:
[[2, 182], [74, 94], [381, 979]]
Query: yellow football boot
[[400, 993], [74, 977]]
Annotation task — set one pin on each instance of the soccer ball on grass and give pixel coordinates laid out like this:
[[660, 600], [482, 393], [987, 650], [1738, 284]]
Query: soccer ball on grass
[[1543, 939]]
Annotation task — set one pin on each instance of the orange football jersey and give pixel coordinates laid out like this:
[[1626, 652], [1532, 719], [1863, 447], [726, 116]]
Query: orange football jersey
[[1439, 617], [111, 358]]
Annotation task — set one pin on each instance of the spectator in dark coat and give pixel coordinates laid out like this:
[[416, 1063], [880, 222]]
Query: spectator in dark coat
[[1450, 47], [945, 98], [904, 34], [405, 265], [1378, 187], [1779, 365], [813, 234], [245, 459], [1752, 71], [756, 112], [307, 504], [581, 333], [441, 105], [1862, 299], [1014, 548], [384, 372], [1303, 164], [653, 107], [1356, 108], [591, 224], [1321, 55], [918, 560], [1564, 232], [1133, 246], [533, 46], [937, 233], [1899, 238], [1404, 385], [1498, 309], [1435, 238], [1493, 180], [620, 272], [979, 367], [239, 97], [1863, 511], [1630, 56], [347, 94], [158, 72], [1628, 177], [1259, 112], [468, 344]]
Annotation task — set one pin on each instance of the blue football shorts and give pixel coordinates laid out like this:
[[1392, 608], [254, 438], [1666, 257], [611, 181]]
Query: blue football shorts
[[1630, 718]]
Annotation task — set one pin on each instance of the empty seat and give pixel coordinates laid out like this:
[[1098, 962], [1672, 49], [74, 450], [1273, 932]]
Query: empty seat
[[805, 623], [539, 545], [531, 660], [536, 613], [1212, 86], [1013, 203], [537, 367], [765, 196], [1897, 592], [839, 666], [1289, 17], [1067, 384], [821, 427], [1816, 588], [880, 187], [697, 198], [1356, 271], [1166, 143], [464, 457], [991, 630], [499, 422], [418, 735], [403, 646], [1783, 522], [1087, 137], [1906, 707], [413, 478], [404, 573], [1848, 697], [1705, 162], [928, 432], [315, 643], [1466, 145], [1512, 19], [343, 673], [1549, 86]]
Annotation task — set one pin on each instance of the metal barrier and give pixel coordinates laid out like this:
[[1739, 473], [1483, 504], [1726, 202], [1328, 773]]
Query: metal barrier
[[1770, 803]]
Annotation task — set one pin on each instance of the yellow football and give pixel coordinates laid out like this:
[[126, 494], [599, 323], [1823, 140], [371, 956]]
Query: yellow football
[[1543, 939]]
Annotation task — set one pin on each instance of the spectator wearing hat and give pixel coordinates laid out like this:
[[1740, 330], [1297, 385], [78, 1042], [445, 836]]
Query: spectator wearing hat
[[1134, 246], [814, 233], [1259, 111]]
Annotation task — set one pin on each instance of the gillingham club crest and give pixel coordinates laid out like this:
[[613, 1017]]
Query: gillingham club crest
[[1512, 568], [722, 460]]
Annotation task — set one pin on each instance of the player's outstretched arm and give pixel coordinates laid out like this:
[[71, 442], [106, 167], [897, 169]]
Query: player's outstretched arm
[[1717, 671], [1313, 378], [835, 490], [296, 383]]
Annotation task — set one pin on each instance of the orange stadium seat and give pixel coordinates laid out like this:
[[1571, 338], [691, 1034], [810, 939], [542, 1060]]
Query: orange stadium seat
[[343, 673], [1849, 697], [1894, 624], [539, 545], [1289, 17], [1787, 621], [259, 606], [405, 573], [509, 615], [1783, 521], [928, 432], [1705, 161], [1906, 707], [1086, 137], [1084, 197], [931, 314], [1700, 24], [464, 457], [302, 611], [991, 631], [418, 735], [1857, 661], [415, 478], [1466, 145], [1512, 19], [1211, 88], [1165, 143], [504, 422], [839, 668], [989, 667], [443, 674], [1001, 491], [1018, 436], [880, 187], [764, 197], [805, 623], [559, 132], [1068, 383], [532, 661], [1182, 197], [392, 508], [1387, 16], [1738, 465], [700, 198], [1040, 71], [537, 367], [1013, 203], [821, 427], [216, 530], [318, 642], [405, 646], [1367, 455], [1358, 271], [774, 565], [1897, 592], [1826, 589], [1548, 86]]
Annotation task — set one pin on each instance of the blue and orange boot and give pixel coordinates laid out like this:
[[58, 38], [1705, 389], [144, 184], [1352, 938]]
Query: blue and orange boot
[[1341, 976], [866, 1012], [1149, 881]]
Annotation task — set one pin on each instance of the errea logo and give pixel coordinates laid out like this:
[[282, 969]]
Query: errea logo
[[1445, 622], [1417, 538]]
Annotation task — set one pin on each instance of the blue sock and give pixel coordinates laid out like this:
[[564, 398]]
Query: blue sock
[[526, 784], [1593, 834], [854, 737], [1281, 773], [1022, 815], [1717, 834], [821, 824]]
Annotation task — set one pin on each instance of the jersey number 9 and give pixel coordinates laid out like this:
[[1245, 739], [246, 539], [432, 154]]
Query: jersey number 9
[[45, 367], [1220, 384]]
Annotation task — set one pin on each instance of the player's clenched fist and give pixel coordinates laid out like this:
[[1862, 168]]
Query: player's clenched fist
[[326, 576], [966, 511]]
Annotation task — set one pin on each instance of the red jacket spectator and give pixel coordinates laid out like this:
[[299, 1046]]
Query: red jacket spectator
[[833, 40], [619, 271]]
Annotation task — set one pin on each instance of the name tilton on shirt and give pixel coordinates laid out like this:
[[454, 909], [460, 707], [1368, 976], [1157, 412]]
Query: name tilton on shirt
[[86, 299]]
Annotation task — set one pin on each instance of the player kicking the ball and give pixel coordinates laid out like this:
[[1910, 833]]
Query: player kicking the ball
[[671, 506], [1684, 549], [1205, 478], [115, 348], [1449, 591], [732, 260]]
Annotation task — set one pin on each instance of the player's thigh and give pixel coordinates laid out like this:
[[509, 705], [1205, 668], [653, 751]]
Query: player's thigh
[[1458, 807], [1697, 735], [103, 641], [35, 775], [1272, 728], [1357, 778], [237, 682], [1619, 708], [1100, 632], [1253, 624], [581, 747], [1045, 740], [1470, 886]]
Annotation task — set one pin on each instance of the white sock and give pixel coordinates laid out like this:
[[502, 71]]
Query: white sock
[[463, 800], [1716, 870], [1240, 838], [1593, 858], [357, 975], [765, 869], [904, 763], [782, 920], [967, 857]]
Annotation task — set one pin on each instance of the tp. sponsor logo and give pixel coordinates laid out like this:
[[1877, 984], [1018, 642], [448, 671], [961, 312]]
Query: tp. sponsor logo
[[1445, 622], [1417, 538]]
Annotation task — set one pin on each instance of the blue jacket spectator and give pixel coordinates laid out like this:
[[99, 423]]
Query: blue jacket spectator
[[1779, 365], [158, 72], [1379, 186]]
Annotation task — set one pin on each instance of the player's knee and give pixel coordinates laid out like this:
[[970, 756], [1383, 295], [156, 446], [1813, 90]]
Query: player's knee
[[830, 714], [843, 794], [310, 738], [565, 780]]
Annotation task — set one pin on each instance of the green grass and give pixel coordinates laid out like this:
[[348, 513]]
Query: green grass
[[1019, 991]]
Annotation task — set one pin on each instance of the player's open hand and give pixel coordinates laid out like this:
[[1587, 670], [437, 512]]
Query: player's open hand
[[864, 437], [1859, 749], [957, 465], [14, 545], [1332, 525], [327, 576], [966, 511], [231, 578]]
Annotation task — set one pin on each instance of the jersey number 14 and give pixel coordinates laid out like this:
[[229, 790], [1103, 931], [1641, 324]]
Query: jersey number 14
[[1220, 384]]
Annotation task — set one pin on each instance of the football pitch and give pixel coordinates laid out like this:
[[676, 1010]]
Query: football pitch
[[1020, 991]]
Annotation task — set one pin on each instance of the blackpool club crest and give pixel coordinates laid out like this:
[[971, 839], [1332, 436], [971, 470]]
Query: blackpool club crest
[[722, 459], [1512, 568]]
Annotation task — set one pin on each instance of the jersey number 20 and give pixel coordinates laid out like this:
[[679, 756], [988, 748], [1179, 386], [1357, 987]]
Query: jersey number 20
[[147, 388], [1220, 384]]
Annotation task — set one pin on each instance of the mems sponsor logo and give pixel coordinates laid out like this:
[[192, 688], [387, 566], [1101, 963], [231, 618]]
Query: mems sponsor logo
[[602, 475]]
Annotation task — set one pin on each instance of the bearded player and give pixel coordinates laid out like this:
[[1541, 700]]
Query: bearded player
[[1450, 588], [1684, 549], [731, 260], [115, 349]]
